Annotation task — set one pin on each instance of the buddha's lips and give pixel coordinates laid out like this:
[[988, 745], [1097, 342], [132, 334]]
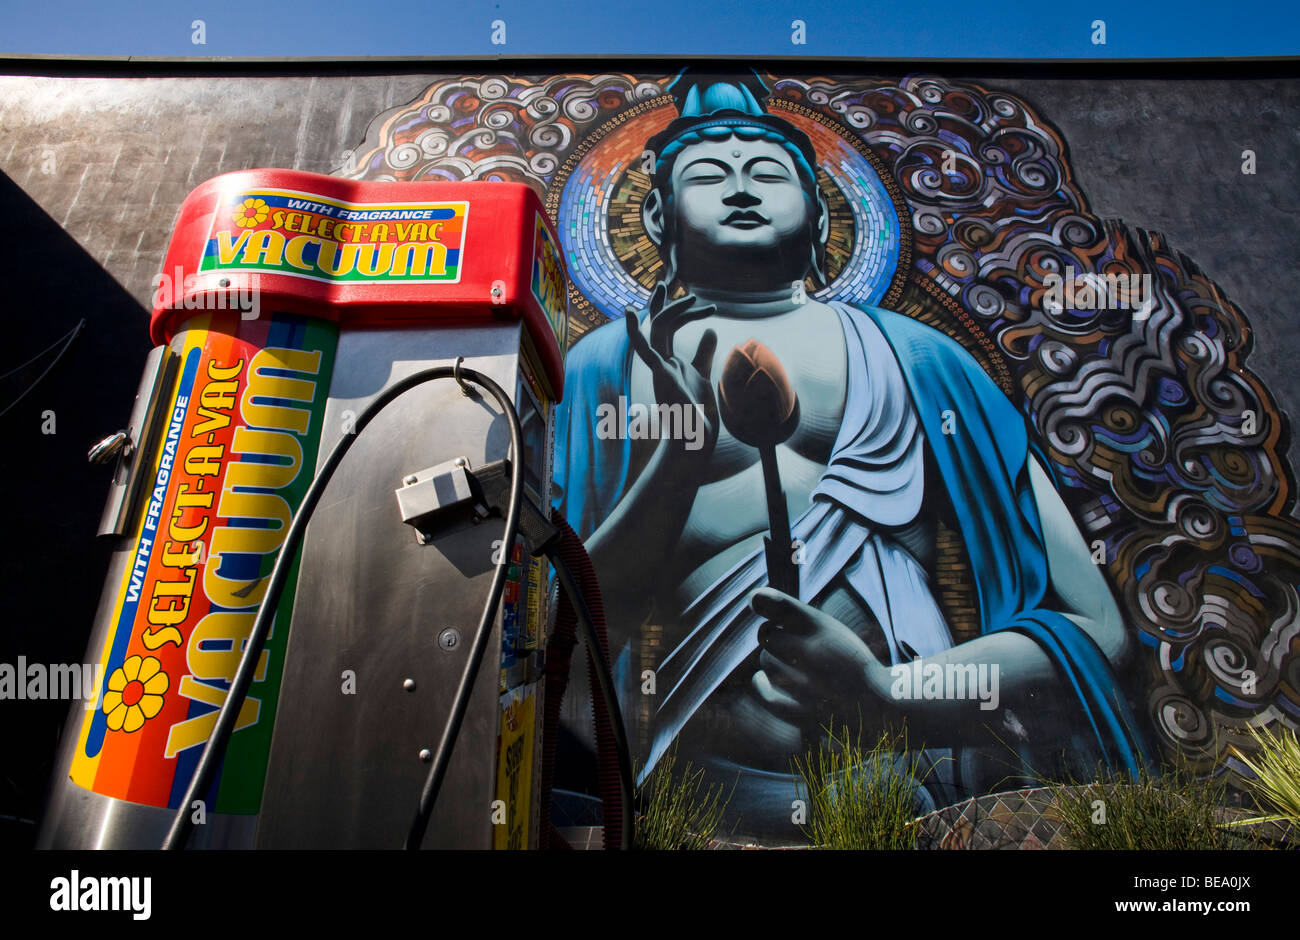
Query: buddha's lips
[[746, 215]]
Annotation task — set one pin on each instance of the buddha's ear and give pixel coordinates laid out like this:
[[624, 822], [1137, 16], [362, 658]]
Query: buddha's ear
[[652, 216], [821, 231]]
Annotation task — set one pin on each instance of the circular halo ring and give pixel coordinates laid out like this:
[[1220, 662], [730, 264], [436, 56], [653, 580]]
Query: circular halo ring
[[596, 195]]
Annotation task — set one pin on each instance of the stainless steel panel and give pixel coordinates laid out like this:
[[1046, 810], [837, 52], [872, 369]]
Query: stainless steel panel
[[76, 818], [345, 769]]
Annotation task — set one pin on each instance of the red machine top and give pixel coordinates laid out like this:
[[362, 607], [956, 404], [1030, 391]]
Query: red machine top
[[368, 253]]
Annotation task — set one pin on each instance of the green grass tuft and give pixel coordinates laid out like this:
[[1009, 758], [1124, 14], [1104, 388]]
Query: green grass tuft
[[859, 798], [1276, 785], [676, 810], [1172, 812]]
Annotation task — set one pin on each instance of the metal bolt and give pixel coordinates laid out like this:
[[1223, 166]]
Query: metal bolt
[[408, 684], [461, 462], [224, 282], [449, 639], [497, 292], [426, 755], [410, 479]]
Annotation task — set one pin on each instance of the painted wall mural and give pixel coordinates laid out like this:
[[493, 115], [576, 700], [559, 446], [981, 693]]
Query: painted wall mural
[[871, 419]]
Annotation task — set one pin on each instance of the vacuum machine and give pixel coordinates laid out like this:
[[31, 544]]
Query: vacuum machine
[[325, 619]]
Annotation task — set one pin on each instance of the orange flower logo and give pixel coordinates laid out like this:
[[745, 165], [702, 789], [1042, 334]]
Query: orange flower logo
[[251, 213], [135, 693]]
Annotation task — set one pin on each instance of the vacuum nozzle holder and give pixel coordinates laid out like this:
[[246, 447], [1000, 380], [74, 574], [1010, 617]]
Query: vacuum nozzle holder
[[452, 493]]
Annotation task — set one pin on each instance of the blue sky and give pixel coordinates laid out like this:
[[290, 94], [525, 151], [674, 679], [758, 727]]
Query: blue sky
[[997, 29]]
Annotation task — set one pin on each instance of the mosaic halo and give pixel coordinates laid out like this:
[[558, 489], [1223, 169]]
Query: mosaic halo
[[613, 263]]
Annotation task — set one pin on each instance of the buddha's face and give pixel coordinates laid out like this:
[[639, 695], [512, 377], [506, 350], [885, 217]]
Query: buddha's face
[[740, 202]]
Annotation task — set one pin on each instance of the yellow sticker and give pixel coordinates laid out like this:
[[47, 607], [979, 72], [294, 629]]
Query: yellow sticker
[[514, 770]]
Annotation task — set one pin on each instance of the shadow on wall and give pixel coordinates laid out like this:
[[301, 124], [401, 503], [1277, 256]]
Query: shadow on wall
[[52, 564]]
